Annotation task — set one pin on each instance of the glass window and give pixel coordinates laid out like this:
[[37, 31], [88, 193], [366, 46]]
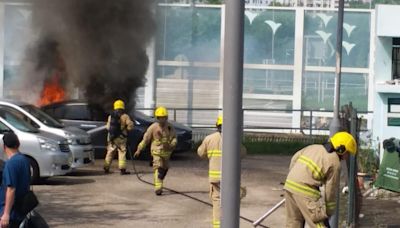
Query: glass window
[[393, 112], [269, 37], [98, 114], [396, 59], [42, 116], [142, 116], [17, 122], [17, 32], [19, 115], [57, 112], [320, 38], [192, 33], [318, 89], [4, 128], [188, 72], [17, 36], [268, 82], [266, 104], [76, 112]]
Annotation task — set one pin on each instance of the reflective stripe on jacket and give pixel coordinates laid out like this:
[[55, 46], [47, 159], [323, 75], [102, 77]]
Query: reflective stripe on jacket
[[163, 140], [211, 148], [310, 168]]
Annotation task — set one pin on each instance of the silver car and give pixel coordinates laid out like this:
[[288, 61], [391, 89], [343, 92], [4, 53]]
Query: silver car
[[79, 141], [49, 154]]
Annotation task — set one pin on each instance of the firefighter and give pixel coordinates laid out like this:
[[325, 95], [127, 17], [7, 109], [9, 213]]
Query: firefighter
[[211, 148], [118, 125], [311, 168], [163, 141]]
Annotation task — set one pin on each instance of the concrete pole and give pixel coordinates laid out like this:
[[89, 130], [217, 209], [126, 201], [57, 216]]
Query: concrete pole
[[233, 115], [335, 125]]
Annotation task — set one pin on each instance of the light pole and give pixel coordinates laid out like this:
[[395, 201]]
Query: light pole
[[335, 125], [233, 113], [274, 27]]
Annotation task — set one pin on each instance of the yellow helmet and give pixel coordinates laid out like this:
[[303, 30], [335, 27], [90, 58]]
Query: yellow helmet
[[344, 139], [119, 104], [161, 112], [219, 120]]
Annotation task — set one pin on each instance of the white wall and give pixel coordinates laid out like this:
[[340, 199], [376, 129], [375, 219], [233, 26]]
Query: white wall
[[388, 17], [383, 72]]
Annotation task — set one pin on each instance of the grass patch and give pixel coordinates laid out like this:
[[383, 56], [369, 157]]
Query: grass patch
[[264, 144], [279, 144]]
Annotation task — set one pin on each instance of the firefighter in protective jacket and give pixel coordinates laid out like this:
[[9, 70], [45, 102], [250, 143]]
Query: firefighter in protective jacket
[[211, 148], [311, 168], [118, 125], [163, 141]]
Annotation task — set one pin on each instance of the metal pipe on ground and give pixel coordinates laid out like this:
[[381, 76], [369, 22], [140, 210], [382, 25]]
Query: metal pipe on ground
[[268, 213]]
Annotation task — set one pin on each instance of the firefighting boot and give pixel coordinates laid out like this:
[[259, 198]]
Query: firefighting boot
[[106, 170], [124, 172], [158, 192]]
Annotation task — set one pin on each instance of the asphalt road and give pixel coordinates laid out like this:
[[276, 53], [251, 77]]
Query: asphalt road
[[88, 198]]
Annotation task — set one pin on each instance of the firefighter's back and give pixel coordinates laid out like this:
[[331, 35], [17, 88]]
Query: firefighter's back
[[309, 170]]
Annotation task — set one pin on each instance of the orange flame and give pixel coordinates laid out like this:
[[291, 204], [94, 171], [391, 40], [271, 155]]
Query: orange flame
[[52, 91]]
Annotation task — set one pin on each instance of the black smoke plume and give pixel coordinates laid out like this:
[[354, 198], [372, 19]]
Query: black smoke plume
[[99, 44]]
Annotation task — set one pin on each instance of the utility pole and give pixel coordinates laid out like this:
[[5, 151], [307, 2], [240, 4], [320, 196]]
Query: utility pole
[[232, 113], [335, 125]]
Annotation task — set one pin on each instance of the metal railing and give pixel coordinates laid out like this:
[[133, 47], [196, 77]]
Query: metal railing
[[305, 121]]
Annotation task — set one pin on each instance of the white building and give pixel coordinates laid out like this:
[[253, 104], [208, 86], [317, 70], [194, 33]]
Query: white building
[[289, 63], [387, 74]]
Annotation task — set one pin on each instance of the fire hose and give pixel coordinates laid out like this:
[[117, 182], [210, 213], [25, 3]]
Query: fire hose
[[178, 192]]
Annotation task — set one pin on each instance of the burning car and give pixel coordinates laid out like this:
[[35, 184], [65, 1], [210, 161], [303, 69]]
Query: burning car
[[79, 141], [92, 118]]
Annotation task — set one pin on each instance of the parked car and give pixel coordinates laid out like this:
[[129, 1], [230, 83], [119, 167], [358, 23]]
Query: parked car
[[79, 140], [49, 154], [92, 118]]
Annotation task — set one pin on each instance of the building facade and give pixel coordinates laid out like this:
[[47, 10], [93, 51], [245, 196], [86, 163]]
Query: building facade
[[386, 122], [289, 63], [289, 67]]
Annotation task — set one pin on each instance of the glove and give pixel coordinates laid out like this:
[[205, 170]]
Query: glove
[[243, 192], [345, 190], [137, 154]]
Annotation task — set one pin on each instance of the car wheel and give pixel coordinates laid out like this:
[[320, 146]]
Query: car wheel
[[34, 167]]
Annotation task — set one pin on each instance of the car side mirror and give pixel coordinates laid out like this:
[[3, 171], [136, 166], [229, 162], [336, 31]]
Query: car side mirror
[[3, 131]]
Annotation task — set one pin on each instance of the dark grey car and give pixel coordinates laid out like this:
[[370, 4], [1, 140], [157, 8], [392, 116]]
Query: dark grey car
[[93, 118]]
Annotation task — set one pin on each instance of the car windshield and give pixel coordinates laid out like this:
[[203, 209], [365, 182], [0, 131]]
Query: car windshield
[[42, 116], [140, 115], [17, 122]]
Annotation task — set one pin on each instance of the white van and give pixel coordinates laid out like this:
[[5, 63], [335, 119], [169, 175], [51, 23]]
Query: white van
[[49, 154], [79, 141]]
